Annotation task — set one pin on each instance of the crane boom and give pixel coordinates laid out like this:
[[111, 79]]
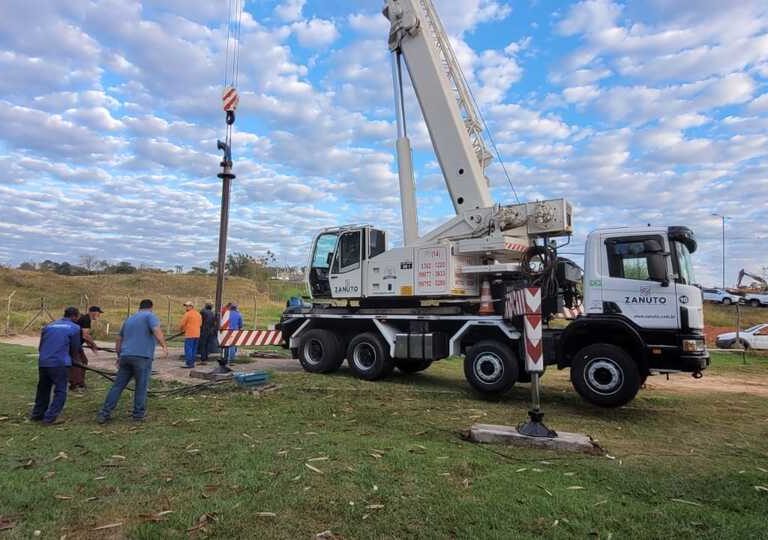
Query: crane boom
[[452, 121]]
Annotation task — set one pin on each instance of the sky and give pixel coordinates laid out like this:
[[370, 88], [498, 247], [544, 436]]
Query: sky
[[652, 111]]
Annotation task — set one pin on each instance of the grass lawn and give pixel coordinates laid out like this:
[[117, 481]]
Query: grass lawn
[[383, 460]]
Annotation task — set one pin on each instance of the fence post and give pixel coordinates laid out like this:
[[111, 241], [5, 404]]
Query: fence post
[[8, 315], [169, 312], [255, 312]]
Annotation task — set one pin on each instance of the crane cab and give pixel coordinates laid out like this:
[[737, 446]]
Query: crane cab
[[335, 268]]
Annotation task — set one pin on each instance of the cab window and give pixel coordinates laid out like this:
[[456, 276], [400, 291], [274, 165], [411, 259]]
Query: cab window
[[377, 243], [628, 259], [348, 255], [325, 245]]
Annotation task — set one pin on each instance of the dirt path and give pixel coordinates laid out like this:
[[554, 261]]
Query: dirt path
[[757, 386], [169, 369]]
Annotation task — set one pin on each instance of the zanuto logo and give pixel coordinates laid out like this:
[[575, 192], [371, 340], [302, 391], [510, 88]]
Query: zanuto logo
[[645, 300], [346, 289]]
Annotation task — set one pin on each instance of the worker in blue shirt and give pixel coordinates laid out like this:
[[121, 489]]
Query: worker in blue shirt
[[59, 343], [235, 323]]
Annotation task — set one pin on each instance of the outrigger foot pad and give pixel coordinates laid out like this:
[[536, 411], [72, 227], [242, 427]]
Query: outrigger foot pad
[[535, 427]]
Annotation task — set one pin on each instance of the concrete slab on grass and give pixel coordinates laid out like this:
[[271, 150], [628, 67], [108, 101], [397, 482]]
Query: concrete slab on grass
[[570, 442]]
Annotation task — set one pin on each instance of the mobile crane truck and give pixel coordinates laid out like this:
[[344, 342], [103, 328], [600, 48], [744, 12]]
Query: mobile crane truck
[[407, 307]]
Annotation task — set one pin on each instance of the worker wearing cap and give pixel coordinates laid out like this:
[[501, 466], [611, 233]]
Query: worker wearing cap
[[190, 325], [77, 373], [59, 342], [235, 323]]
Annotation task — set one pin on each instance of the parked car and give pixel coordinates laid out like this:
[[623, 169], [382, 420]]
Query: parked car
[[751, 338], [756, 299], [720, 296]]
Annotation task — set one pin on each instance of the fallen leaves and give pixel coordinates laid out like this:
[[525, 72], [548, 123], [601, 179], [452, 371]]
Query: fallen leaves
[[6, 523], [63, 497], [761, 488], [266, 514], [203, 521], [683, 501], [108, 526], [574, 488], [312, 468], [156, 517], [61, 455], [374, 506]]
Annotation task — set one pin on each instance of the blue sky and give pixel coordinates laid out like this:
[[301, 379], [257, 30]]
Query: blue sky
[[639, 112]]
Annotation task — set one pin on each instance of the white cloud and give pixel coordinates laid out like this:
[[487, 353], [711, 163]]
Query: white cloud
[[290, 10], [315, 32]]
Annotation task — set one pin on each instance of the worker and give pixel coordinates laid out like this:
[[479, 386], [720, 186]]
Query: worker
[[190, 325], [235, 323], [59, 343], [135, 347], [208, 332], [77, 373]]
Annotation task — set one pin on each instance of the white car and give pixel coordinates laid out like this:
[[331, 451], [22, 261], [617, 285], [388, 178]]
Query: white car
[[720, 296], [756, 299], [752, 338]]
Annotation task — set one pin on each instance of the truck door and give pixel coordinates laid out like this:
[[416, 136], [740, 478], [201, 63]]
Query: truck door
[[346, 275], [627, 284]]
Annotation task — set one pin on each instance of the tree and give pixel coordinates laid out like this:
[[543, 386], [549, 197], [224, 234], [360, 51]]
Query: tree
[[123, 267], [28, 266], [88, 262]]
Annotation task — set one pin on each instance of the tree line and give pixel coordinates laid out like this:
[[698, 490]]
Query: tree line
[[237, 264]]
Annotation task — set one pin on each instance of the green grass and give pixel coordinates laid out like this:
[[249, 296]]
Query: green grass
[[720, 315], [683, 464]]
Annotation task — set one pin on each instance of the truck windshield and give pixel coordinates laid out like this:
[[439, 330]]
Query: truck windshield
[[684, 264]]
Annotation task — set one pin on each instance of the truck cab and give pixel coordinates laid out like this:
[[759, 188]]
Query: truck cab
[[643, 311]]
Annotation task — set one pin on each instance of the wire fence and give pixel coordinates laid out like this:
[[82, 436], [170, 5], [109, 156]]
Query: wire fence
[[27, 316]]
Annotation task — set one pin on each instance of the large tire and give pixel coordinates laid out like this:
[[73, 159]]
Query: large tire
[[368, 357], [754, 302], [491, 367], [412, 366], [320, 351], [727, 301], [605, 375]]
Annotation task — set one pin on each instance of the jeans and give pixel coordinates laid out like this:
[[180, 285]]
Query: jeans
[[131, 367], [208, 344], [190, 350], [50, 377], [231, 354]]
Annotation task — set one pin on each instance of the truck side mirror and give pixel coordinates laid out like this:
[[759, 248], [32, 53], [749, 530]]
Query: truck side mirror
[[329, 259], [657, 268]]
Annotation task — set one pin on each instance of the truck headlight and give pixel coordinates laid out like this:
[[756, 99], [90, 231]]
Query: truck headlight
[[693, 345]]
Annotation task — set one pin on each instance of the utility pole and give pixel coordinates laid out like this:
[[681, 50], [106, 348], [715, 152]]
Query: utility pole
[[723, 218]]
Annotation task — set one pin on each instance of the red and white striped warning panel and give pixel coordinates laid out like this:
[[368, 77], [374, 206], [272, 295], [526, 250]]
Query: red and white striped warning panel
[[230, 99], [527, 302], [249, 338], [224, 320]]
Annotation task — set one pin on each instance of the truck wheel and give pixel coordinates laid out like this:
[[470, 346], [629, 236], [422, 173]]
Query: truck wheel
[[754, 302], [727, 301], [490, 367], [605, 375], [368, 357], [320, 351], [412, 366]]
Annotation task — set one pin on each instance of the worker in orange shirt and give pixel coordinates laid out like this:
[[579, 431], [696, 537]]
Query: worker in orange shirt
[[190, 325]]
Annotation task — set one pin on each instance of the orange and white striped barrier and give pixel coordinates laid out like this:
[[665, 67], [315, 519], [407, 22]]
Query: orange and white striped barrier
[[249, 338]]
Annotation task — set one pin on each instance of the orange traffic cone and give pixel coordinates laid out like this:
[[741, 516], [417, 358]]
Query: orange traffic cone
[[486, 302]]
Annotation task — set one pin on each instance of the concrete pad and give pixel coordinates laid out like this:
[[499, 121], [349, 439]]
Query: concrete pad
[[570, 442]]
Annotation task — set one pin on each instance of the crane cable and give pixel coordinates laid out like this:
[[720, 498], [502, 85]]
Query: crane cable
[[232, 59]]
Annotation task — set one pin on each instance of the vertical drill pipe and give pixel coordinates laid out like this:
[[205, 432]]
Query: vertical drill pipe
[[223, 227]]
